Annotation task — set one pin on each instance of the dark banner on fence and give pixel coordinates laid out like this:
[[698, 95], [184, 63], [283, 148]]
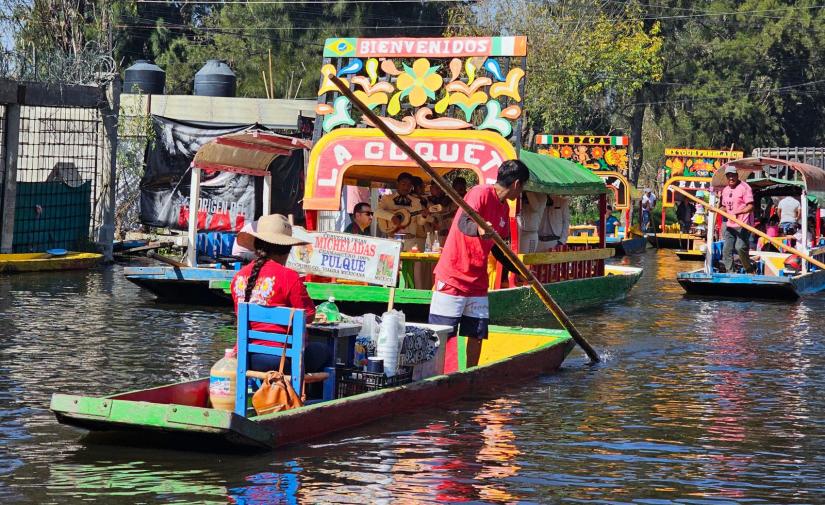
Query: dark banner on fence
[[227, 200]]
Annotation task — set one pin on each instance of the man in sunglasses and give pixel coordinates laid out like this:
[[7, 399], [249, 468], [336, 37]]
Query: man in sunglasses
[[361, 220]]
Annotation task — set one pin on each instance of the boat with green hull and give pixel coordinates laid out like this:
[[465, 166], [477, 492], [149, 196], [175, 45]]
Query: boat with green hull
[[510, 356], [508, 306]]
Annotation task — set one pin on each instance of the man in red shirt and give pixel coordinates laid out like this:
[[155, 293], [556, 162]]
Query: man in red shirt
[[461, 280]]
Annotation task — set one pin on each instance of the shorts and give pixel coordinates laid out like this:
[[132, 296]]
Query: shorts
[[471, 313]]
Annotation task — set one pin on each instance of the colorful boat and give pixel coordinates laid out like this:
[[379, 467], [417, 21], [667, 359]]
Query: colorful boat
[[634, 244], [606, 156], [773, 279], [509, 357], [691, 170], [42, 262], [251, 152], [508, 306]]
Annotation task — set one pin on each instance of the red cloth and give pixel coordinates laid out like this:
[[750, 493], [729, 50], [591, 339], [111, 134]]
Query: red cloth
[[463, 262], [277, 286], [735, 199]]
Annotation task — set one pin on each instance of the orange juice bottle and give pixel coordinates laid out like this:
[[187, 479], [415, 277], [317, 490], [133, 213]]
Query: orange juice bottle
[[222, 382]]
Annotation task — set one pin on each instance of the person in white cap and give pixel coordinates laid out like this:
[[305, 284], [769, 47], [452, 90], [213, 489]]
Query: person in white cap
[[737, 199], [268, 282], [648, 204]]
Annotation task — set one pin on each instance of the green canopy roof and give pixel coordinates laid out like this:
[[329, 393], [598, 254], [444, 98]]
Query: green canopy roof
[[557, 176]]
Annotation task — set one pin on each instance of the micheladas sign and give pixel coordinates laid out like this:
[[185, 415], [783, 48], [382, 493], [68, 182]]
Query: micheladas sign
[[344, 256], [369, 154]]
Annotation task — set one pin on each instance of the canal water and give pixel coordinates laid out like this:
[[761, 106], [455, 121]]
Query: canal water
[[697, 402]]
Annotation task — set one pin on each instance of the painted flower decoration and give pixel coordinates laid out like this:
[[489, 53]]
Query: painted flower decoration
[[596, 152], [419, 82], [566, 152], [611, 156], [622, 164]]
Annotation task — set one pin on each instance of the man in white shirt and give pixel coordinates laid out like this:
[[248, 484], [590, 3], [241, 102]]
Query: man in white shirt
[[790, 210], [648, 204]]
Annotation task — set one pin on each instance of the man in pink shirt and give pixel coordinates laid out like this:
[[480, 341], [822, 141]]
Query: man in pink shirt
[[737, 199], [461, 280]]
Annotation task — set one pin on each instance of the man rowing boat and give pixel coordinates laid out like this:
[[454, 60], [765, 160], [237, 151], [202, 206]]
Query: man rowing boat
[[461, 279]]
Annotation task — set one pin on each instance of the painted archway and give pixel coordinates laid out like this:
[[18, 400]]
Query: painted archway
[[366, 154]]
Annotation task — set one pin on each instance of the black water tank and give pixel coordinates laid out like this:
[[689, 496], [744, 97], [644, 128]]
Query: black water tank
[[144, 77], [215, 78]]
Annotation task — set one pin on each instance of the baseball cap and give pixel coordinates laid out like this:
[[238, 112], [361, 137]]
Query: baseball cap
[[730, 170]]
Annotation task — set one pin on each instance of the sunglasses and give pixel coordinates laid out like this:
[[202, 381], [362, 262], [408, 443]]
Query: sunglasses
[[367, 212]]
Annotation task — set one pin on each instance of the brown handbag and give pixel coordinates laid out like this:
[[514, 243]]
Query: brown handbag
[[276, 394]]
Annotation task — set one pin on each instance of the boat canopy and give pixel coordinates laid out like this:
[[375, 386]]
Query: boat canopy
[[249, 152], [811, 177], [558, 176]]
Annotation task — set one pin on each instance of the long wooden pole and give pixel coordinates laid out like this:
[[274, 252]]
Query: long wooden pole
[[731, 217], [525, 272]]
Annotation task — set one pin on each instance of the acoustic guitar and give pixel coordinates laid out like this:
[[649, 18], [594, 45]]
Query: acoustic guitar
[[385, 218]]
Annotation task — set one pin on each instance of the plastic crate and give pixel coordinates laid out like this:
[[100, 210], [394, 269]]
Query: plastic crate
[[353, 381]]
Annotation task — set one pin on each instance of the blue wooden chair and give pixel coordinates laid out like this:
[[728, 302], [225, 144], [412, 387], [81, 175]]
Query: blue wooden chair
[[293, 319]]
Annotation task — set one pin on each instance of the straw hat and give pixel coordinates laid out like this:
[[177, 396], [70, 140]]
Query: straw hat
[[274, 229]]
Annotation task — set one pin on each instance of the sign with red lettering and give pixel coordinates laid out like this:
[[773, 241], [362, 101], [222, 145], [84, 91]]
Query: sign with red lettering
[[346, 148], [344, 256]]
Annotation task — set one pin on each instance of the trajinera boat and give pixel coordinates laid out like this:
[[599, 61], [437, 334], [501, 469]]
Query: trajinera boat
[[606, 156], [250, 152], [342, 155], [509, 356], [773, 279], [691, 170], [45, 261]]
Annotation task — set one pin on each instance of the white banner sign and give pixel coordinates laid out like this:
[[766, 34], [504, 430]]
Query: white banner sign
[[344, 256]]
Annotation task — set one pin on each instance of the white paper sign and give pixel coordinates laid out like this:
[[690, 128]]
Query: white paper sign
[[344, 256]]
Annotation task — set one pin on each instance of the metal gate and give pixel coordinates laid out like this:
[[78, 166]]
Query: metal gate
[[58, 167], [57, 178]]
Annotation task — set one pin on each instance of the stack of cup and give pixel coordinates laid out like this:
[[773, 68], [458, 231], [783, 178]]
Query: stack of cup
[[387, 347]]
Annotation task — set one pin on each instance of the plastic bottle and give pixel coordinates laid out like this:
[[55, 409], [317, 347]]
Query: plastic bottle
[[330, 310], [436, 244], [222, 382], [428, 243]]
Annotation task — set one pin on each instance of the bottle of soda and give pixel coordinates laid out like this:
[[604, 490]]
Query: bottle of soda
[[330, 310]]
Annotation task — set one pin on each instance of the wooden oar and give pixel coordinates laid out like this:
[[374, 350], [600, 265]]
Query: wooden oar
[[167, 260], [525, 272], [731, 217]]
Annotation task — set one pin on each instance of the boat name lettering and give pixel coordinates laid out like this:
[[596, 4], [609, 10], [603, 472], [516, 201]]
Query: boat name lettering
[[425, 47]]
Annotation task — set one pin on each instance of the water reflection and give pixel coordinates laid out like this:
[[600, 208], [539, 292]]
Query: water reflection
[[700, 401]]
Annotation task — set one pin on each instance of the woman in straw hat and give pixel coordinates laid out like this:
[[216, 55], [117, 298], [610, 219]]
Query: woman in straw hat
[[268, 282]]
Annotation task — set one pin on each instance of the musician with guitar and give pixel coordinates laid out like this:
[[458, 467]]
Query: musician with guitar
[[403, 213]]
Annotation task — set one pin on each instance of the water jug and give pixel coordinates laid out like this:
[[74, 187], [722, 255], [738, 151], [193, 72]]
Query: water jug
[[330, 310], [222, 382]]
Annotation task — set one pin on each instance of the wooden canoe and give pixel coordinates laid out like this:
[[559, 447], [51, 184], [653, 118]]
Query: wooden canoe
[[510, 357], [42, 262], [182, 285], [510, 306]]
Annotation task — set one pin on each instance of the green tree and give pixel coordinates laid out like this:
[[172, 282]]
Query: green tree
[[586, 59]]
